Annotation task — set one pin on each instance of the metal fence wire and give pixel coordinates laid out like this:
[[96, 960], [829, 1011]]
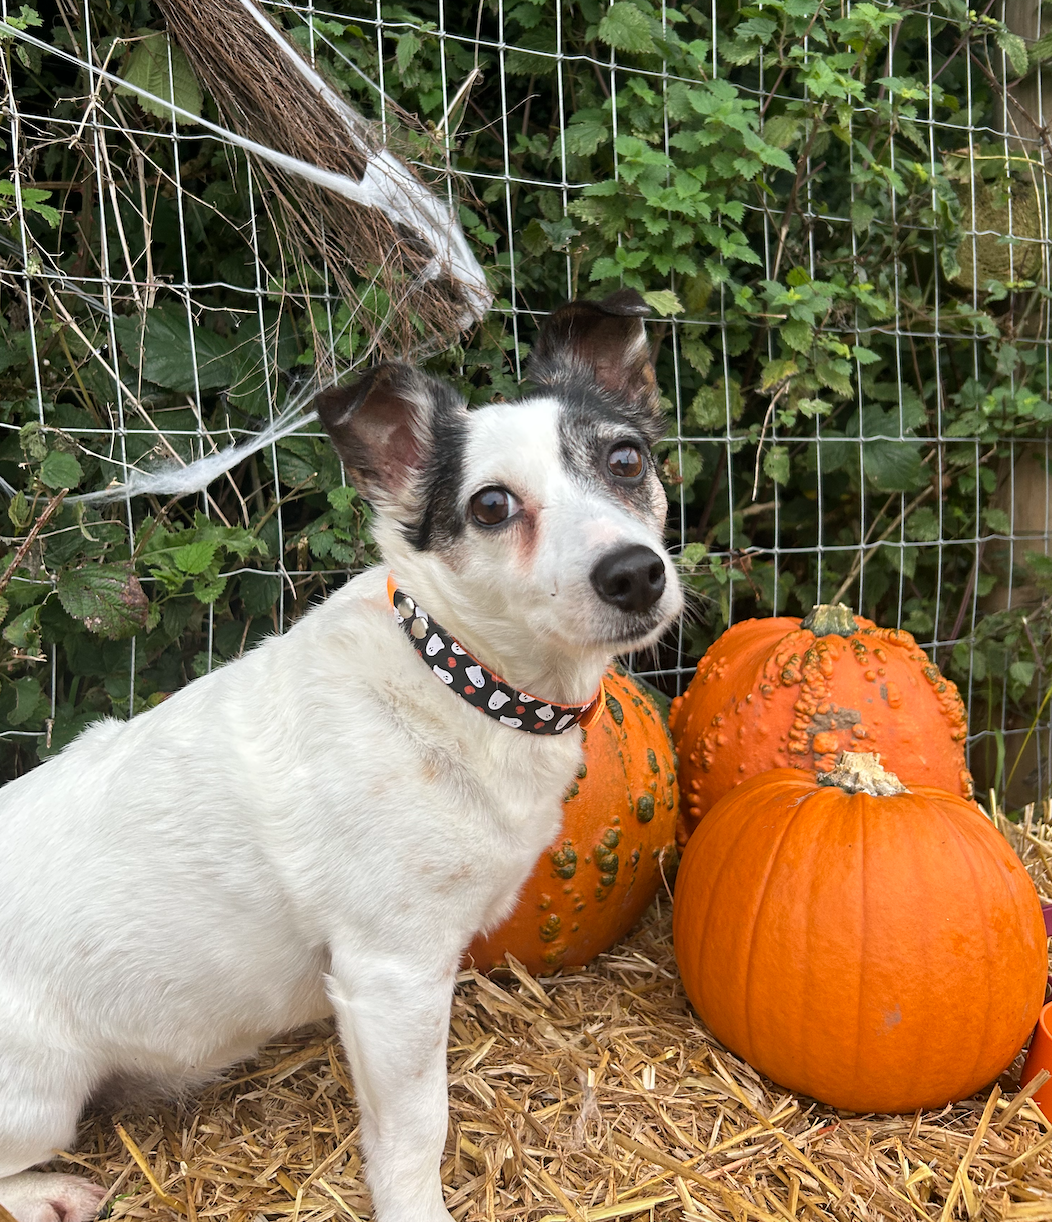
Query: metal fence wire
[[837, 212]]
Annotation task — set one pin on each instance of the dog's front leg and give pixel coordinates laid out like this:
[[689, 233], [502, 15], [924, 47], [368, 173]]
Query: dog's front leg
[[393, 1016]]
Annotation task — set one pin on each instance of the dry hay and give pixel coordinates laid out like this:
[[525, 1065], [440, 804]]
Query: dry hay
[[431, 287], [580, 1098]]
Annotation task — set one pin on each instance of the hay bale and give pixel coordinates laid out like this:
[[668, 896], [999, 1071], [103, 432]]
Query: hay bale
[[592, 1096]]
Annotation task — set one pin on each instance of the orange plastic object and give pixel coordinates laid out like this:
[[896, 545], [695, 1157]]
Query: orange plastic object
[[879, 953], [780, 692], [602, 872], [1040, 1057]]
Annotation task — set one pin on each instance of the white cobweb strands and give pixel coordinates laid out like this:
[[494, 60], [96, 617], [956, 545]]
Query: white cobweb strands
[[175, 480]]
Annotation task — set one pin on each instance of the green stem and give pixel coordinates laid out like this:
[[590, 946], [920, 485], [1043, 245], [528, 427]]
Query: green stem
[[830, 619]]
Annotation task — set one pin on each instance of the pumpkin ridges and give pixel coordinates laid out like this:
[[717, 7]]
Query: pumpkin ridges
[[716, 872], [963, 1039], [984, 975], [809, 983], [725, 875], [761, 886], [829, 938], [887, 981], [1010, 903], [859, 810], [919, 883], [918, 957]]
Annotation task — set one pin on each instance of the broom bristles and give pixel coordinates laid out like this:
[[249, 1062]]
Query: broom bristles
[[361, 206]]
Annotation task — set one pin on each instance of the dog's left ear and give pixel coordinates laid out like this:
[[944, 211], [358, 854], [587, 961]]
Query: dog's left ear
[[385, 427], [606, 342]]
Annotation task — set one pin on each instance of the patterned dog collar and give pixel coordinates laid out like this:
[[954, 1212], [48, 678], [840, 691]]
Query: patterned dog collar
[[477, 684]]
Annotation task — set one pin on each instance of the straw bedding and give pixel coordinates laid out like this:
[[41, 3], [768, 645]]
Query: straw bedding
[[591, 1096]]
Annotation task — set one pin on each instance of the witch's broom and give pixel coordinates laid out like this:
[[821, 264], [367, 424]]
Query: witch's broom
[[383, 223], [343, 194]]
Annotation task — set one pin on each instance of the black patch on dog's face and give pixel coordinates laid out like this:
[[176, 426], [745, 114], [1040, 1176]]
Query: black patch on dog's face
[[601, 346], [591, 423], [441, 519]]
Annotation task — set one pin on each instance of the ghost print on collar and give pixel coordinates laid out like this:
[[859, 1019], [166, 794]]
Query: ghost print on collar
[[474, 682]]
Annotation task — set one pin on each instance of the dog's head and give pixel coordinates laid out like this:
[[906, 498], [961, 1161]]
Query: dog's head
[[532, 527]]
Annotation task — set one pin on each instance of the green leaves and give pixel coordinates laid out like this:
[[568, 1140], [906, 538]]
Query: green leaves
[[664, 302], [405, 50], [158, 66], [1014, 48], [60, 470], [30, 701], [586, 131], [540, 235], [32, 200], [893, 466], [173, 350], [196, 555], [797, 334], [776, 464], [625, 28], [175, 353], [922, 526], [1001, 410], [341, 535], [193, 558], [665, 209], [106, 598], [23, 630]]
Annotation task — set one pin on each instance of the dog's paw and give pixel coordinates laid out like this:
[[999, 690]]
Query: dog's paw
[[40, 1196]]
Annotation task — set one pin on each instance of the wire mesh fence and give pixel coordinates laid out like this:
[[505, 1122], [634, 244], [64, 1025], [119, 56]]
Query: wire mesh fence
[[838, 214]]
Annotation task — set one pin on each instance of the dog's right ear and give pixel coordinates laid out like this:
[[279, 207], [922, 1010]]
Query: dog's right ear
[[606, 342], [383, 426]]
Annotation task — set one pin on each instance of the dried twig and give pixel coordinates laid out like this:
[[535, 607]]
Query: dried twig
[[45, 517]]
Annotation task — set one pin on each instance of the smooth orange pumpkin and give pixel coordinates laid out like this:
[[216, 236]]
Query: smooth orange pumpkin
[[602, 872], [879, 951], [780, 692]]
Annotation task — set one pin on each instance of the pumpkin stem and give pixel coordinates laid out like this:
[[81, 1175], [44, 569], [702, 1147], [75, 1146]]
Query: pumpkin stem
[[829, 619], [860, 772]]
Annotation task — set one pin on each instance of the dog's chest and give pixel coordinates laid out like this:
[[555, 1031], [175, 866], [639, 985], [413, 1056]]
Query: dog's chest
[[510, 810], [495, 803], [496, 793]]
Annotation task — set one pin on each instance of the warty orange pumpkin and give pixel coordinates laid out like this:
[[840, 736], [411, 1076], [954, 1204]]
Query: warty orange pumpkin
[[604, 868], [781, 692], [876, 948]]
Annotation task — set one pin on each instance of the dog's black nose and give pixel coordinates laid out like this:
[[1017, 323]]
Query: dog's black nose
[[632, 578]]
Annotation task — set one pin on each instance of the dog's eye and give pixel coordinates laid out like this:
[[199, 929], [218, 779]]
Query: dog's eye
[[626, 462], [492, 506]]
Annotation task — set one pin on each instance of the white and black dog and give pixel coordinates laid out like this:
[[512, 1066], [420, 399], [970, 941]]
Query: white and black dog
[[323, 825]]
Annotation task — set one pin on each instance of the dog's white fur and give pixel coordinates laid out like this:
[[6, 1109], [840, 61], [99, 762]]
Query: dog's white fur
[[317, 827]]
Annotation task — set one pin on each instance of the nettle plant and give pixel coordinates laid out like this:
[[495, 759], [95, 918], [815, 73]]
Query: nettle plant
[[790, 190]]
